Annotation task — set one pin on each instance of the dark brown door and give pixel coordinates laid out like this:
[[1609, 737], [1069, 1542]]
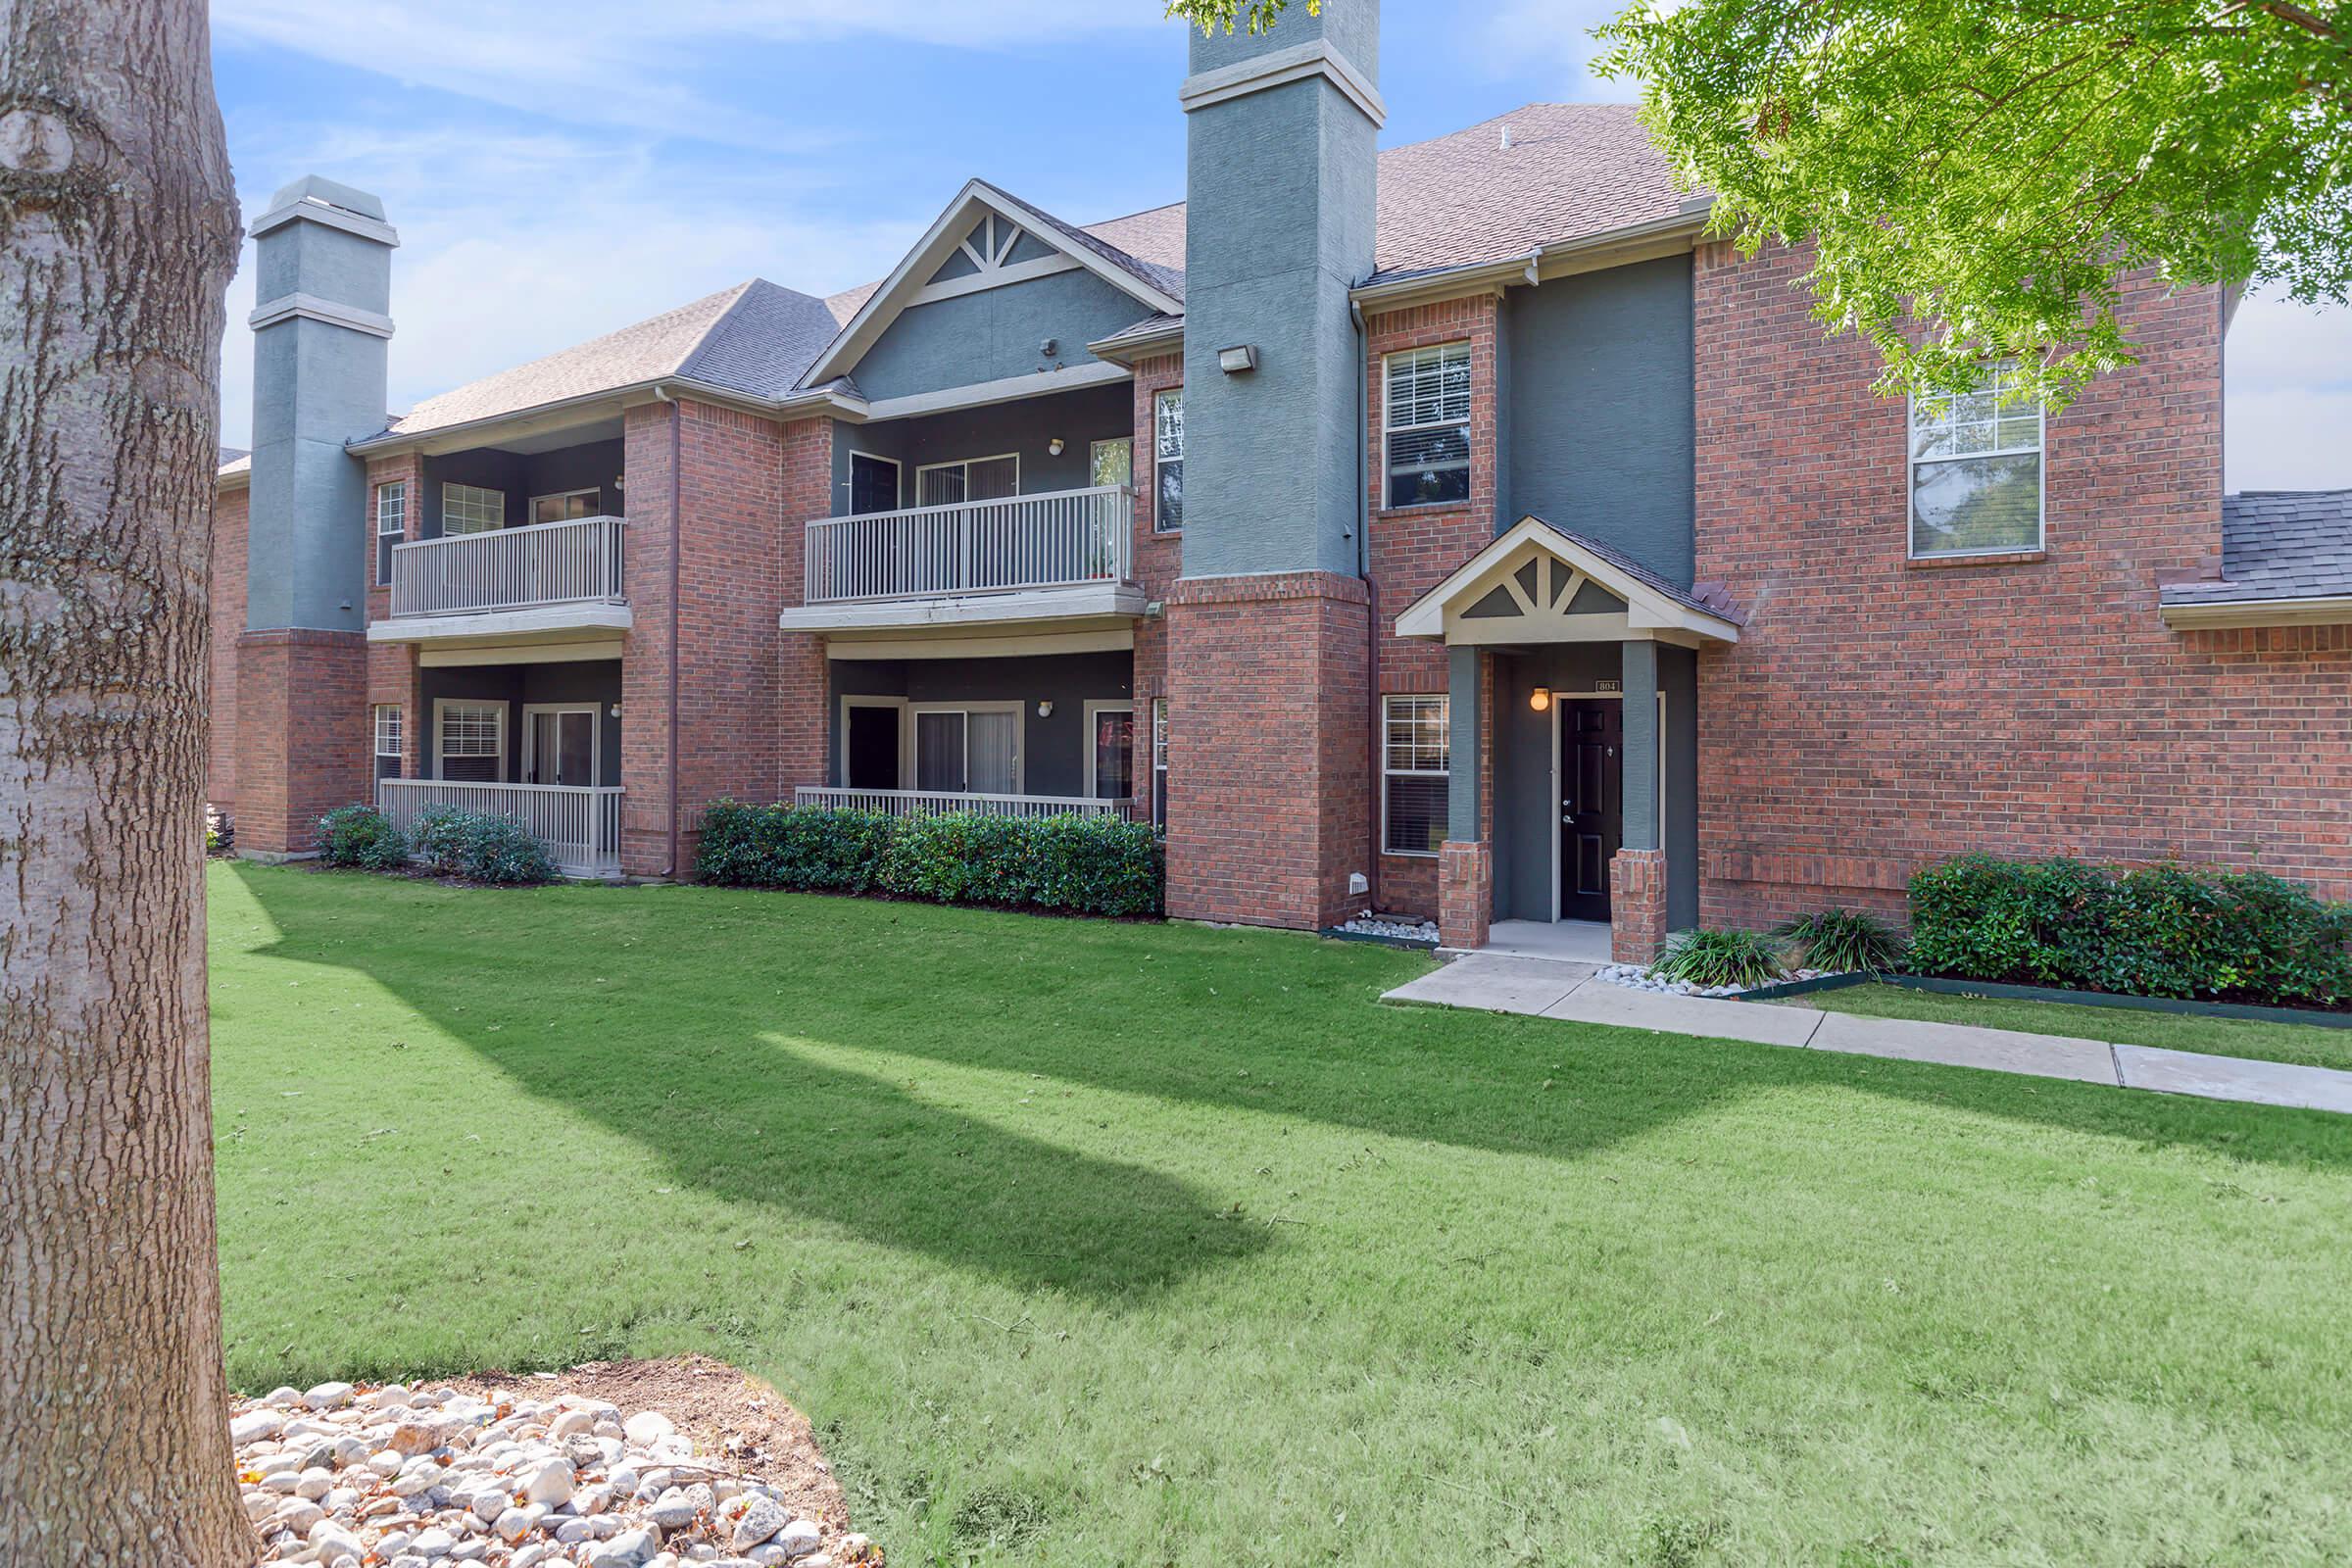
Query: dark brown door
[[1592, 806], [873, 760]]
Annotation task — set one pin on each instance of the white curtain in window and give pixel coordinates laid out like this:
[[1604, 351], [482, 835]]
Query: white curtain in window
[[991, 748]]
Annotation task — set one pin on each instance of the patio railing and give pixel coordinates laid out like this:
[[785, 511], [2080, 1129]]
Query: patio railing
[[927, 803], [580, 825], [1057, 540], [576, 562]]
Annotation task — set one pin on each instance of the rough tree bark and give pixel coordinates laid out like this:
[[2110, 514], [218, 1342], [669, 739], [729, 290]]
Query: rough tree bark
[[118, 235]]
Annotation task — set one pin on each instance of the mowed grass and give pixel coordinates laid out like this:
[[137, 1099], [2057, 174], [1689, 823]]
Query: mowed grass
[[2310, 1044], [1089, 1243]]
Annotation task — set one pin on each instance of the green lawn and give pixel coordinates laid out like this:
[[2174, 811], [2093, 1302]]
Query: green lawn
[[1088, 1243], [2312, 1045]]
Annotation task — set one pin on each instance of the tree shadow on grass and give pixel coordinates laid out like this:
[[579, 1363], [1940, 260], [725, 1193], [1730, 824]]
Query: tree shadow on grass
[[704, 990]]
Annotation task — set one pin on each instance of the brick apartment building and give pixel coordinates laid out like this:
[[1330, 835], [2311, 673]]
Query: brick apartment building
[[1453, 529]]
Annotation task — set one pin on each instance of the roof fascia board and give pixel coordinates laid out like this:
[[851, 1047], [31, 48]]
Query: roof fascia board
[[900, 289], [1122, 349], [1647, 609], [1279, 67], [540, 417], [2221, 614], [1007, 389], [1616, 247], [239, 480]]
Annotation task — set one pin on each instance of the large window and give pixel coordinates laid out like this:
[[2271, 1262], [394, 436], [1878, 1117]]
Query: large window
[[1109, 751], [391, 525], [1416, 757], [1428, 424], [387, 739], [972, 749], [1976, 472], [1168, 461], [469, 741], [471, 509], [940, 485]]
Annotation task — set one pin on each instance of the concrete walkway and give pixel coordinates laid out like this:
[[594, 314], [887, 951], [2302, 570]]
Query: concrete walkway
[[1550, 988]]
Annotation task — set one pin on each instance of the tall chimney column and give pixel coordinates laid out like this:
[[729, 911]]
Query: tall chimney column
[[323, 266], [1268, 655]]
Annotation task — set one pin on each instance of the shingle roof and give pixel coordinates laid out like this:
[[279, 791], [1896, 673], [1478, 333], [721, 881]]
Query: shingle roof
[[2279, 544], [1707, 598], [753, 338], [235, 461], [1571, 171]]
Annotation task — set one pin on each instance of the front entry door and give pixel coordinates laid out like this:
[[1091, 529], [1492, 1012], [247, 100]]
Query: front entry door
[[1591, 805]]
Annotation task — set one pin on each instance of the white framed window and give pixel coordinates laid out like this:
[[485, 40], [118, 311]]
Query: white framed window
[[967, 748], [1168, 461], [1111, 750], [471, 509], [1160, 760], [391, 525], [1110, 461], [563, 506], [1975, 482], [1416, 764], [943, 485], [386, 718], [469, 741], [1425, 425]]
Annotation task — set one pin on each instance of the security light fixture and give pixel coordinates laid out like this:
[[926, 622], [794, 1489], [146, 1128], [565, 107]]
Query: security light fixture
[[1240, 360]]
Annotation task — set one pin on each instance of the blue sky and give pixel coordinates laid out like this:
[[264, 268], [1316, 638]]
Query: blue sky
[[562, 168]]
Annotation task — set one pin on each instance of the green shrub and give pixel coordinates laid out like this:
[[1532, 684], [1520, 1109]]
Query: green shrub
[[1844, 941], [1093, 865], [1702, 957], [362, 836], [480, 848], [2161, 931]]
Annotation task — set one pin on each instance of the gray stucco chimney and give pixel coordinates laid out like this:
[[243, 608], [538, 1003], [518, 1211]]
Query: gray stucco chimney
[[1280, 131], [322, 256]]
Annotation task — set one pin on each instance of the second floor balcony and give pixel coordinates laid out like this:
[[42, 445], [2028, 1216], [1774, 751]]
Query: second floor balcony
[[1027, 558], [538, 580]]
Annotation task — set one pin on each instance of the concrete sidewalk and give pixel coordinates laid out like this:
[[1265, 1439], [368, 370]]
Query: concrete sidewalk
[[1549, 988]]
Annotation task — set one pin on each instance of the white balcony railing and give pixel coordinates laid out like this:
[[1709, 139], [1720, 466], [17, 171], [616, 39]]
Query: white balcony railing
[[576, 562], [581, 825], [926, 803], [1063, 539]]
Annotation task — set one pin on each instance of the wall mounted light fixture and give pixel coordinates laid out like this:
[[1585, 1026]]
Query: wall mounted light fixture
[[1054, 446], [1239, 360], [1540, 699], [1045, 710]]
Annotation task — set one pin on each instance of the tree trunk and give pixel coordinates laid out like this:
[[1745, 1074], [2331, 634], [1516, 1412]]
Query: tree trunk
[[118, 235]]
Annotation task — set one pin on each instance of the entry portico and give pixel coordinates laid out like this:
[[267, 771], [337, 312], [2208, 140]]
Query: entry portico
[[1572, 676]]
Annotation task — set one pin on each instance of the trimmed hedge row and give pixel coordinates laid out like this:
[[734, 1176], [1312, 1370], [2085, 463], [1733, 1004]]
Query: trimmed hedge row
[[1084, 865], [449, 842], [2162, 931]]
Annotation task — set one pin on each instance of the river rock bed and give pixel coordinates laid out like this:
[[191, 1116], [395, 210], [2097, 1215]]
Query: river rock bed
[[1639, 977], [540, 1472]]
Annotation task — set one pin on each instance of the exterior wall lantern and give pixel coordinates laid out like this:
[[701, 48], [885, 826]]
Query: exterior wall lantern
[[1054, 446], [1540, 699], [1240, 360], [1045, 710]]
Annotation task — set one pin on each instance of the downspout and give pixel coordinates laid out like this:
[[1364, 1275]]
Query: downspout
[[674, 626], [1363, 566]]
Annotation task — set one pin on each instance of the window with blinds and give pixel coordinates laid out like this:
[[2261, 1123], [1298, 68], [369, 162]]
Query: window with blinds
[[471, 509], [1416, 760], [1427, 424], [470, 742]]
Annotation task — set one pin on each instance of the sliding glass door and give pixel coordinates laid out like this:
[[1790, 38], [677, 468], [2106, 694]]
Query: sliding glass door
[[968, 750]]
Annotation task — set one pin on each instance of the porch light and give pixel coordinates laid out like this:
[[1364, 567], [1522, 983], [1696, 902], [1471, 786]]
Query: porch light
[[1045, 710], [1054, 446], [1540, 699], [1239, 360]]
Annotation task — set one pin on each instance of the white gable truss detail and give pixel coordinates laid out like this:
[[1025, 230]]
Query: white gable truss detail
[[1562, 569], [1002, 222]]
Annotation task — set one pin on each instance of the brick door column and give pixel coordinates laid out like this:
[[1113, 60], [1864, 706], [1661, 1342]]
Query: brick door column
[[302, 735], [1637, 906]]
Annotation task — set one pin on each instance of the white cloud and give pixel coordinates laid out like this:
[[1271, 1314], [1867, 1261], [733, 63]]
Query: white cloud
[[1550, 39], [2287, 413]]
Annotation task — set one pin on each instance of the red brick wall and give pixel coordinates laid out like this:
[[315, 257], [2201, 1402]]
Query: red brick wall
[[392, 667], [1268, 793], [801, 677], [302, 723], [1414, 548], [229, 512], [745, 715], [1881, 714]]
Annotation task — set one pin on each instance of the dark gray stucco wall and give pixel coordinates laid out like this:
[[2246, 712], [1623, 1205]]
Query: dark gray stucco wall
[[521, 475], [995, 333], [1601, 437], [587, 681], [1279, 226], [1525, 814], [1053, 747], [1025, 428]]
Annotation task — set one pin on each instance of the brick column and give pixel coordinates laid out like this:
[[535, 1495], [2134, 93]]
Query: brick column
[[302, 735], [648, 443], [1269, 788], [1465, 893], [1637, 906], [229, 629]]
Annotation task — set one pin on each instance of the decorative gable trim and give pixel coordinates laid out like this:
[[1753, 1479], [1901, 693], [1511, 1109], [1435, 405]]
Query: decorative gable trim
[[1002, 222], [1535, 584]]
